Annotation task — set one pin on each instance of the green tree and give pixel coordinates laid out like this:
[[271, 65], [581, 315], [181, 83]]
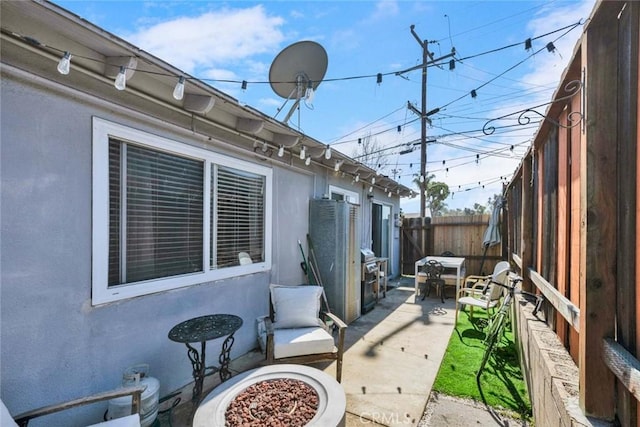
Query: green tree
[[436, 193]]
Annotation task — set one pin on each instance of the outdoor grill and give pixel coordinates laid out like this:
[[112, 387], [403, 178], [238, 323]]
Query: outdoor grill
[[369, 279]]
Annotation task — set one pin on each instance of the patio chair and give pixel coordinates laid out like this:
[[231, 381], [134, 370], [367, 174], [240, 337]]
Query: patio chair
[[433, 270], [294, 331], [484, 292], [132, 420]]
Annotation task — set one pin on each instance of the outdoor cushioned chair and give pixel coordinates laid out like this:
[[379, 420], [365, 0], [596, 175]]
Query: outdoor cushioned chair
[[132, 420], [295, 332], [484, 292]]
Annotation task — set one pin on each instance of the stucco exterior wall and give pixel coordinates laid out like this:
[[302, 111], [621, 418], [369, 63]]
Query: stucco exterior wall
[[54, 344]]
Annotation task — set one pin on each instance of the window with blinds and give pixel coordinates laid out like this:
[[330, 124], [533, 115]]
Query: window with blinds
[[168, 215], [156, 214], [238, 215]]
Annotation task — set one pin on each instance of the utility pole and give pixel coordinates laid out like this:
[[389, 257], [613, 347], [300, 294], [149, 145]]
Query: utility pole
[[423, 113], [423, 122]]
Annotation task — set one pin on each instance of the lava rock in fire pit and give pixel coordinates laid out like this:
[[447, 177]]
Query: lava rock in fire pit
[[271, 403]]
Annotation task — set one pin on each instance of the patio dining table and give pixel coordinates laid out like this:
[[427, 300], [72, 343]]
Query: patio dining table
[[447, 262]]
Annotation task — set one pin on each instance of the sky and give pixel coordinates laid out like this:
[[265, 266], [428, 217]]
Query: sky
[[225, 43]]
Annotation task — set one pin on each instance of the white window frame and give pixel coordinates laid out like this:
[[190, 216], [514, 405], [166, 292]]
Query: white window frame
[[103, 130], [349, 196]]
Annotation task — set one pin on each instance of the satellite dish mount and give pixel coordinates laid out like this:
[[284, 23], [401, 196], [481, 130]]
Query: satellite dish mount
[[296, 73]]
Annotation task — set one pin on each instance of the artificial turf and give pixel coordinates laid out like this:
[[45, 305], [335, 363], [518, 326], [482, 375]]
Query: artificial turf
[[501, 384]]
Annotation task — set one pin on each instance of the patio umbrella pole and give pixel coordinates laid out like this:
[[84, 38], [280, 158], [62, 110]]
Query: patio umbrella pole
[[484, 255]]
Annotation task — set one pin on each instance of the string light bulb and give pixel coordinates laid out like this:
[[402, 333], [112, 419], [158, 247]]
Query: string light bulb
[[371, 189], [281, 151], [421, 178], [327, 152], [527, 44], [244, 85], [307, 161], [121, 79], [337, 166], [373, 180], [511, 150], [357, 178], [65, 64], [303, 153], [178, 91]]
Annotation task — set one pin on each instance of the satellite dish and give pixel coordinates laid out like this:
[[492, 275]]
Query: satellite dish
[[298, 67]]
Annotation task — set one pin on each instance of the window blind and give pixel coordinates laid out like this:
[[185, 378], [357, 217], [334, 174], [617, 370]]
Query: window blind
[[238, 215], [156, 214]]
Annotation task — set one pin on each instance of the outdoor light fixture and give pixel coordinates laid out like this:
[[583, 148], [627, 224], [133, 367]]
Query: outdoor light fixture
[[337, 166], [307, 161], [327, 152], [178, 91], [303, 153], [281, 151], [65, 64], [121, 79], [357, 178]]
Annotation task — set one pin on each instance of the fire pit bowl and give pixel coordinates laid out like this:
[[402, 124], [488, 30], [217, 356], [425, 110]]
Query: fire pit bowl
[[332, 402]]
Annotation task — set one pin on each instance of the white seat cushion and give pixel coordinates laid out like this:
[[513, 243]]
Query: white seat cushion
[[295, 306], [301, 341]]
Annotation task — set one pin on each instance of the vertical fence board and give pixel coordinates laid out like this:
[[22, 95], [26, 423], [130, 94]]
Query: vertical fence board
[[598, 301], [562, 328], [626, 245], [577, 221]]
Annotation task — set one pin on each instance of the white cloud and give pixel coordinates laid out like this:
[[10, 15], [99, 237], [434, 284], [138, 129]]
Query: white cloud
[[384, 9], [213, 39]]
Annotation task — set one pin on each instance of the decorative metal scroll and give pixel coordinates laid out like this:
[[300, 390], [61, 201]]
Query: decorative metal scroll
[[524, 116]]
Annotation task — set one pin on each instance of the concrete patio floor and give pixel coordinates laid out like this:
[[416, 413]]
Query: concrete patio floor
[[392, 356]]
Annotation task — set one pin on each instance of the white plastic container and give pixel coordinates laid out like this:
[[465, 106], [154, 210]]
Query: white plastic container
[[121, 406]]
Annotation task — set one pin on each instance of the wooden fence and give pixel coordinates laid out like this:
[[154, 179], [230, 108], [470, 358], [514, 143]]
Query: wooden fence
[[461, 235]]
